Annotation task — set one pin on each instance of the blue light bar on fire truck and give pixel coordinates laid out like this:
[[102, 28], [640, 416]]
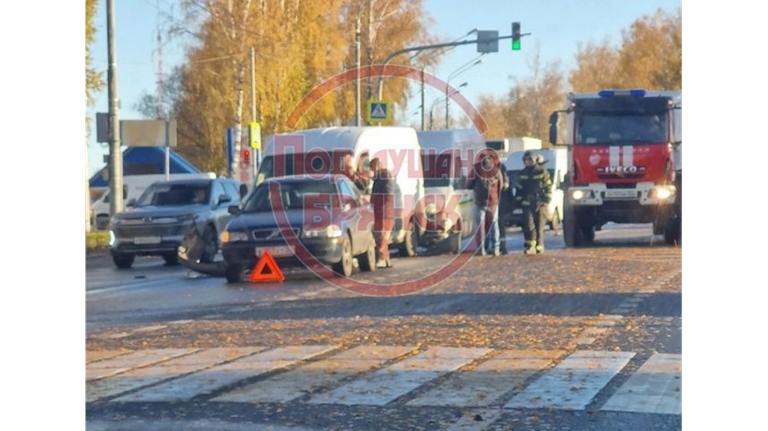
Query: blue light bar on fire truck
[[611, 93]]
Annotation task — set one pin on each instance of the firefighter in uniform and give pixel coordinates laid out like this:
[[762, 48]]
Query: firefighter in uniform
[[533, 193]]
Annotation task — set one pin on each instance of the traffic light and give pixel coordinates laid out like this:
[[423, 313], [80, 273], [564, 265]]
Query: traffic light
[[247, 156], [515, 36]]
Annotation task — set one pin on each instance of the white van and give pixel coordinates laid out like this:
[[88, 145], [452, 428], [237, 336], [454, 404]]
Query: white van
[[318, 151], [557, 165], [447, 157], [133, 187]]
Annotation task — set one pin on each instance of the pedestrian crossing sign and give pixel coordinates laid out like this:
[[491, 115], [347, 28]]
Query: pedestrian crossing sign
[[378, 111]]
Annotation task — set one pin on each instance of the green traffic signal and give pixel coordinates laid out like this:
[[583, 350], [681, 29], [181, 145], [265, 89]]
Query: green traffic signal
[[515, 36]]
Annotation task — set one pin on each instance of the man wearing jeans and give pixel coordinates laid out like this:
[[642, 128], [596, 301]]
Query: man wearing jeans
[[487, 183]]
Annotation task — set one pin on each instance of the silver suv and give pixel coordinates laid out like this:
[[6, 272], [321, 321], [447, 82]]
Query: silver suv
[[156, 224]]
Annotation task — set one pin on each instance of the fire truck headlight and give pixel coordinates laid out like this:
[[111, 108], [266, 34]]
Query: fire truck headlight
[[578, 194], [662, 192]]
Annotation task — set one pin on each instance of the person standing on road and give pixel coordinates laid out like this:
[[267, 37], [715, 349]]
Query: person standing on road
[[487, 183], [383, 200], [533, 194]]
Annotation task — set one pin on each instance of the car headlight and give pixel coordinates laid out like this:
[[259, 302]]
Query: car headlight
[[662, 192], [332, 231], [111, 238], [227, 236], [578, 194]]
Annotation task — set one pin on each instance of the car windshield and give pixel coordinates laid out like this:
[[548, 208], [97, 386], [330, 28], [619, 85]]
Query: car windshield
[[294, 195], [175, 194]]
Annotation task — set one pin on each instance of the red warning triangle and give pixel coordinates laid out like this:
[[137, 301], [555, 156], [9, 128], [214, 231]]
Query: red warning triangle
[[273, 274]]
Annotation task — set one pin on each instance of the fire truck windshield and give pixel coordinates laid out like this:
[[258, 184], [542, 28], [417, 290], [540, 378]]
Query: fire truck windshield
[[614, 128]]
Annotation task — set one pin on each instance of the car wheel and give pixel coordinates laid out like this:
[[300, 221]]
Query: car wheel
[[234, 273], [408, 248], [123, 261], [344, 266], [171, 259], [368, 260]]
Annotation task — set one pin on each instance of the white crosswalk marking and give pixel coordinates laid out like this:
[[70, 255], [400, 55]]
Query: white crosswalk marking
[[493, 378], [100, 355], [120, 364], [655, 388], [295, 383], [388, 384], [141, 377], [207, 381], [355, 377], [573, 383]]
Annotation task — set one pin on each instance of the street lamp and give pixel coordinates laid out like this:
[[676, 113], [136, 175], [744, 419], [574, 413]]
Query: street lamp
[[436, 102], [465, 67], [416, 54]]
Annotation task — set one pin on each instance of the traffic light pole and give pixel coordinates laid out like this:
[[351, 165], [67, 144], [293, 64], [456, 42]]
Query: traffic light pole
[[436, 46]]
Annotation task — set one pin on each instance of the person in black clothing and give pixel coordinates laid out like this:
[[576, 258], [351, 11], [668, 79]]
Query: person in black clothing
[[533, 194], [383, 200]]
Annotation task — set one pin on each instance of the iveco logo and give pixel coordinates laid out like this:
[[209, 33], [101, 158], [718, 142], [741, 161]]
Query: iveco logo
[[274, 234], [621, 169]]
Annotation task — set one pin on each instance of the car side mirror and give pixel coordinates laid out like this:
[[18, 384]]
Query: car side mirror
[[131, 203], [224, 199], [234, 210]]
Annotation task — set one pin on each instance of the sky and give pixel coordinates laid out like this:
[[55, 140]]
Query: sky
[[557, 27]]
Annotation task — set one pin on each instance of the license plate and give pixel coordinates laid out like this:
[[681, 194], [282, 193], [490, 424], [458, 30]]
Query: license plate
[[147, 240], [620, 194], [280, 251]]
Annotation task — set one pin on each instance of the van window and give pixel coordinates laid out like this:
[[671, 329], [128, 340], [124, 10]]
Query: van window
[[440, 169], [218, 190], [125, 194], [232, 191]]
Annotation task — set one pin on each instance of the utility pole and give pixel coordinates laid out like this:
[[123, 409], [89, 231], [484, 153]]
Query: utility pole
[[423, 117], [257, 157], [115, 155], [87, 179], [358, 64]]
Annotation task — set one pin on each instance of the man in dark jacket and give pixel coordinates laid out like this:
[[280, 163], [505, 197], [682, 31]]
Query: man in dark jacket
[[383, 200], [533, 193], [487, 183]]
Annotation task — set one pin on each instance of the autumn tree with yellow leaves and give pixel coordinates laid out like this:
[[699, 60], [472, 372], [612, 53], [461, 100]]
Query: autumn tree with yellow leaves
[[298, 44], [94, 81], [649, 57]]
